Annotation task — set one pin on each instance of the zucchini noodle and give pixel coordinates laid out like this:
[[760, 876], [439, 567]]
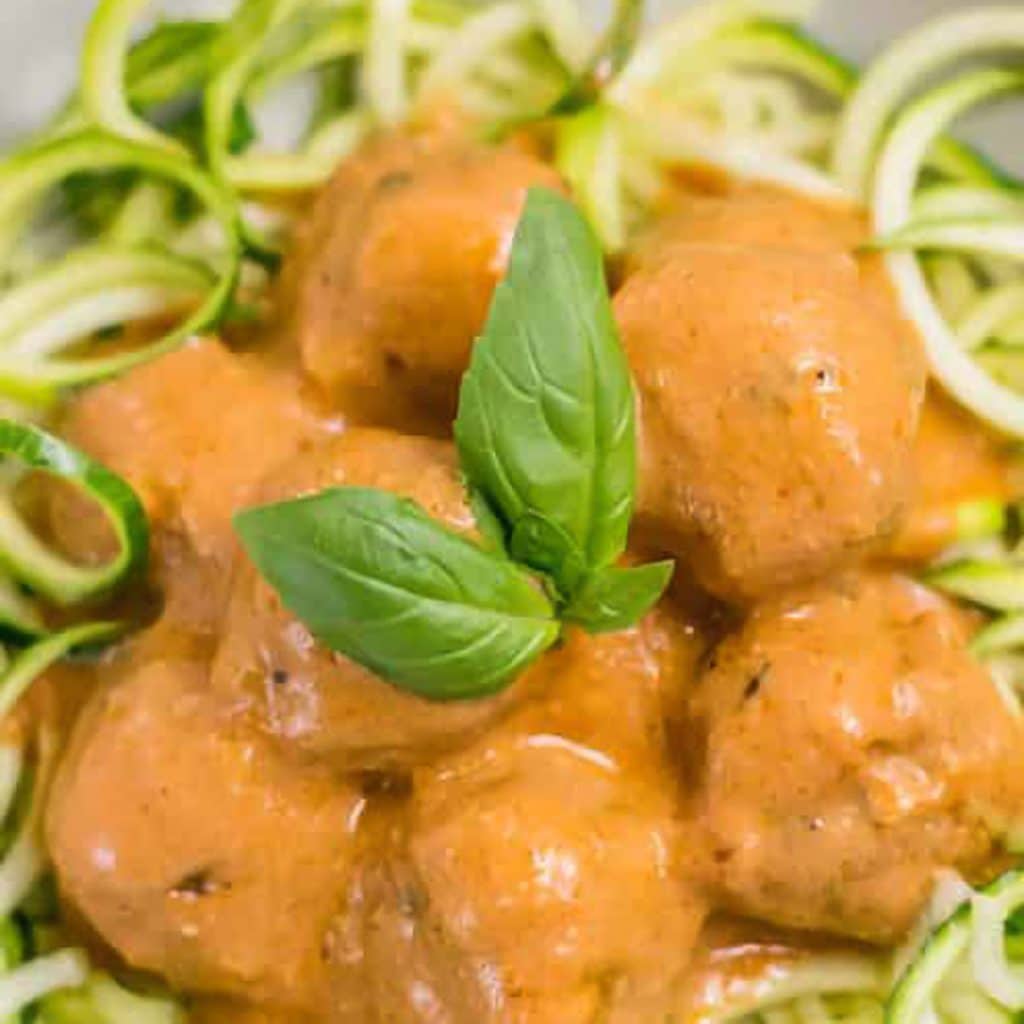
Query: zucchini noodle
[[27, 979], [384, 82], [967, 971], [898, 169], [995, 314], [570, 34], [735, 85], [35, 660], [984, 237], [33, 563], [19, 614], [24, 181], [938, 202], [103, 94], [986, 571], [961, 967], [30, 981], [93, 288], [839, 988], [907, 62], [242, 47], [967, 315]]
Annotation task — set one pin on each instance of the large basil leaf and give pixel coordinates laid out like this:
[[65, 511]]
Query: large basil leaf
[[378, 580], [546, 425]]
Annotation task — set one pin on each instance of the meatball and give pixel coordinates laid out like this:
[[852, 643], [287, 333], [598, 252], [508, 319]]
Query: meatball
[[194, 851], [321, 702], [543, 885], [778, 409], [540, 877], [845, 746], [753, 217], [750, 218], [394, 274], [192, 432]]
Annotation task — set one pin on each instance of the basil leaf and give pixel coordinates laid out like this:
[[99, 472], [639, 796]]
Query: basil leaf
[[614, 599], [375, 578], [546, 425]]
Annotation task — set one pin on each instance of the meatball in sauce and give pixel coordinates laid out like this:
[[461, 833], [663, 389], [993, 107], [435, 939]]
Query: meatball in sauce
[[855, 694], [395, 270], [779, 396]]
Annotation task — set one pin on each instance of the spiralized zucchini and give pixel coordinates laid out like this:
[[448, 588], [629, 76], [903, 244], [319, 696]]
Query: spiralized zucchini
[[33, 369], [964, 296], [898, 171], [735, 85], [57, 983], [826, 988], [964, 964], [31, 561], [963, 971], [986, 571]]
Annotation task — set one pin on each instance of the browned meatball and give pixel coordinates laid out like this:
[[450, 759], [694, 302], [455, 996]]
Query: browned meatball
[[310, 697], [756, 217], [194, 850], [750, 218], [542, 886], [541, 878], [778, 408], [850, 747], [394, 274], [193, 433]]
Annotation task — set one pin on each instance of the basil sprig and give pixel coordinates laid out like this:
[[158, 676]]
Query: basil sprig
[[546, 428], [546, 432]]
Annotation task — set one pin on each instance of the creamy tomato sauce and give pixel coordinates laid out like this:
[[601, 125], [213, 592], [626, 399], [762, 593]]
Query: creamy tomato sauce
[[797, 734]]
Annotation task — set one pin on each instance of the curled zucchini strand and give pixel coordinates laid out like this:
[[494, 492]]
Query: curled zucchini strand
[[104, 91], [895, 182], [32, 562], [26, 178]]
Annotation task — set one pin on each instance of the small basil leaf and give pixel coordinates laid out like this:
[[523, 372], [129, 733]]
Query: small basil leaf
[[546, 425], [375, 578], [614, 599]]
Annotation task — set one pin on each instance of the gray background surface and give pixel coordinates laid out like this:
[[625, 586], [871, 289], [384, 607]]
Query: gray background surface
[[39, 42]]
